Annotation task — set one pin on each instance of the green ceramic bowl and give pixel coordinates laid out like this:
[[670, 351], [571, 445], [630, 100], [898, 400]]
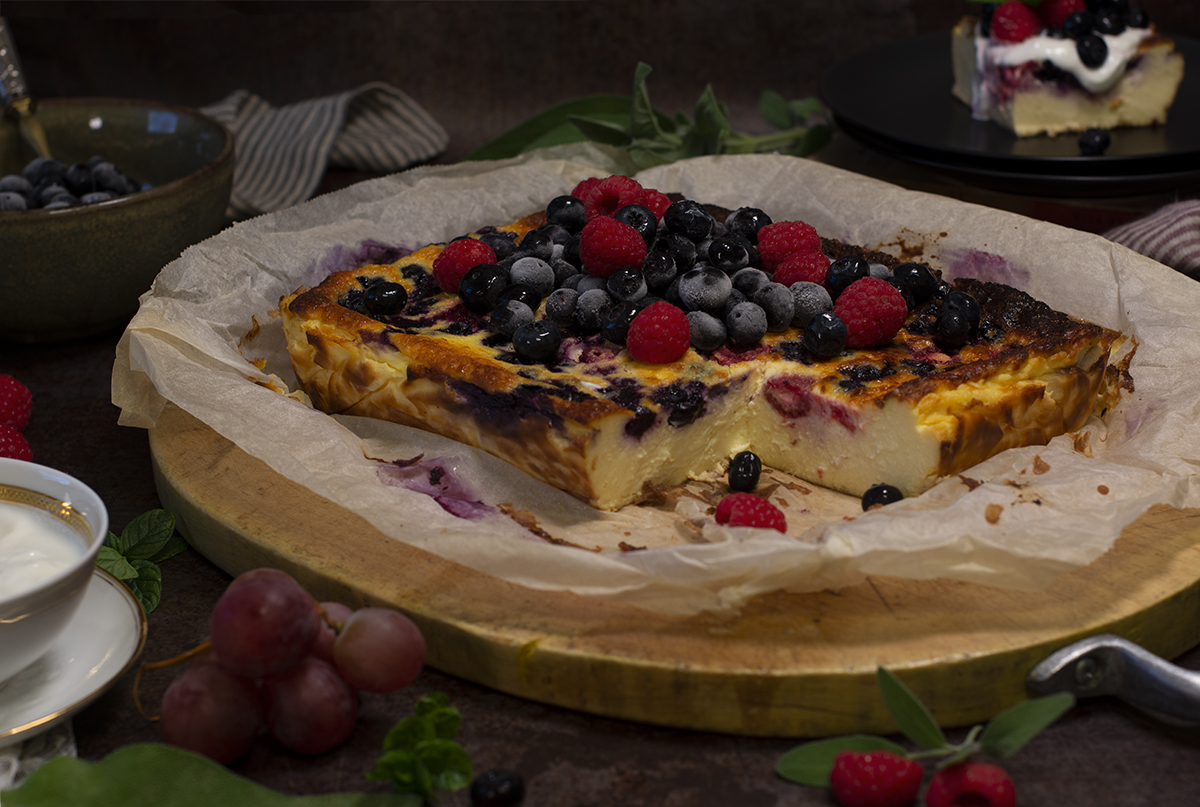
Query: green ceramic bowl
[[78, 271]]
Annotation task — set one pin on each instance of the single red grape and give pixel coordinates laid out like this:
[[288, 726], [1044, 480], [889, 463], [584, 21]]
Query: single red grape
[[379, 650], [310, 709], [211, 711], [263, 626]]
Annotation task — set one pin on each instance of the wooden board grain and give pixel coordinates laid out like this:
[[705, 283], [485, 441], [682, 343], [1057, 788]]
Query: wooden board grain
[[798, 665]]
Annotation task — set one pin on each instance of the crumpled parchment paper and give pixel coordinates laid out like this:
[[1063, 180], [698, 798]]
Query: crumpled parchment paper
[[207, 339]]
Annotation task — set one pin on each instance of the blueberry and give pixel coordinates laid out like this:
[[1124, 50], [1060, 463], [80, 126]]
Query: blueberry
[[503, 244], [110, 179], [844, 271], [384, 298], [537, 244], [46, 193], [566, 211], [96, 196], [658, 269], [40, 169], [879, 270], [627, 283], [537, 341], [640, 218], [560, 306], [63, 198], [590, 309], [570, 253], [614, 325], [953, 329], [1094, 142], [746, 324], [775, 299], [809, 300], [60, 203], [1137, 18], [558, 234], [735, 297], [689, 219], [562, 271], [589, 282], [744, 471], [533, 272], [729, 253], [1078, 24], [15, 183], [920, 279], [825, 335], [481, 287], [746, 222], [968, 305], [508, 315], [750, 280], [1109, 23], [681, 249], [910, 302], [78, 179], [707, 332], [11, 200], [1092, 50], [704, 289], [880, 494], [497, 788]]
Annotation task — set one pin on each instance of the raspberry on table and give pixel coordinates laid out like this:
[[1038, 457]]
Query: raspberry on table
[[780, 239], [458, 258], [606, 245], [874, 779], [873, 311], [748, 510], [971, 782], [611, 194], [808, 267], [13, 445], [1014, 21], [659, 334], [16, 402]]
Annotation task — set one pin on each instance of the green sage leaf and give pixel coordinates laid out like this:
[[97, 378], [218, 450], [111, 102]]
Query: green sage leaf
[[113, 562], [602, 131], [910, 714], [811, 763], [643, 122], [775, 110], [1008, 731], [553, 127], [712, 122]]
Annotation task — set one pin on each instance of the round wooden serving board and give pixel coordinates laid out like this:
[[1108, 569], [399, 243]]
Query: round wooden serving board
[[798, 665]]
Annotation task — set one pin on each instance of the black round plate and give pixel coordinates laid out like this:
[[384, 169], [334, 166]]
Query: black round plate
[[895, 97]]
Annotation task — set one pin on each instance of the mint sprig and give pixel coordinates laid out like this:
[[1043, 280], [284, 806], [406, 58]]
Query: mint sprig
[[1008, 732], [133, 556], [419, 753]]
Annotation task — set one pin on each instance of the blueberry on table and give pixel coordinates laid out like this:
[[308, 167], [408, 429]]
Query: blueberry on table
[[1094, 142], [880, 494], [744, 471], [497, 788]]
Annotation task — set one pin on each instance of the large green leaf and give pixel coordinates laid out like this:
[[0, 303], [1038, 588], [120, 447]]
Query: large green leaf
[[159, 775], [553, 126]]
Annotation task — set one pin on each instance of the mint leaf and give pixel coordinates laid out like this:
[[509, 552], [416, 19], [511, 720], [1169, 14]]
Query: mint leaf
[[643, 122], [113, 562], [448, 763], [1011, 729], [409, 733], [909, 713], [147, 586], [147, 534], [420, 755], [406, 773], [601, 131], [810, 764]]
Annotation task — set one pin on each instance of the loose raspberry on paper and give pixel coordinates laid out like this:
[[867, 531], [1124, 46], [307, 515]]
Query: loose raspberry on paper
[[660, 334], [606, 245], [748, 510], [16, 402], [780, 239], [971, 782], [873, 311], [611, 194], [13, 445], [1015, 22], [458, 258], [1054, 13], [802, 266], [874, 779]]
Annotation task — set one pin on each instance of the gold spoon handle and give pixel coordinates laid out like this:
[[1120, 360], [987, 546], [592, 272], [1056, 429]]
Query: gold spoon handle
[[14, 92]]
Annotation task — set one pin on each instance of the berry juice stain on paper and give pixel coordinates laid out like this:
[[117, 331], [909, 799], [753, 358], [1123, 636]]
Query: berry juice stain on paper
[[983, 266]]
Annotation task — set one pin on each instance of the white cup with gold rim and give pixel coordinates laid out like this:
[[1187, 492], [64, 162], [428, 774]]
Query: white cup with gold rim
[[51, 529]]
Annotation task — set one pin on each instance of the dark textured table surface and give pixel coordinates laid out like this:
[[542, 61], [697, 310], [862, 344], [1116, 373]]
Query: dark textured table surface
[[1101, 753]]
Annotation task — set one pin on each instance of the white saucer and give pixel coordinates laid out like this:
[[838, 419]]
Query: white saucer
[[99, 644]]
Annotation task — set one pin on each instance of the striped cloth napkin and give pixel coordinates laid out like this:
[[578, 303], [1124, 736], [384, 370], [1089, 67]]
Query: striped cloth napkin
[[282, 152], [1170, 235]]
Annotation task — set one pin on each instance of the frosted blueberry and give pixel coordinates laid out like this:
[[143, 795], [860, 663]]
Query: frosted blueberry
[[746, 324], [534, 272], [704, 289], [809, 299], [707, 332], [510, 315], [590, 309], [560, 306], [750, 280], [775, 299]]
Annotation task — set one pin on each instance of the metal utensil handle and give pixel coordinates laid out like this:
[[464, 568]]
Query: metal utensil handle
[[1109, 665], [12, 77]]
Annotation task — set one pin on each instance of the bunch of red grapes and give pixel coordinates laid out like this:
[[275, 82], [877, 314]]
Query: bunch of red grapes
[[276, 663]]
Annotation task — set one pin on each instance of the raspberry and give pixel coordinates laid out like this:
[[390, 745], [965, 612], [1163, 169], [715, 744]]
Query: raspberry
[[659, 334], [779, 240], [1015, 22], [606, 245], [12, 444], [748, 510], [1054, 13], [458, 258], [806, 266], [873, 311], [874, 779], [656, 201], [16, 402], [971, 782], [611, 194], [585, 187]]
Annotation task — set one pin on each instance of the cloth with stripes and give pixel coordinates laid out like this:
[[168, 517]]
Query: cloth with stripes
[[282, 152], [1170, 235]]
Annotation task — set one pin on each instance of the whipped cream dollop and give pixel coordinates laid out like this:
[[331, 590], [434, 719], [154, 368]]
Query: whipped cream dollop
[[1063, 54], [34, 546]]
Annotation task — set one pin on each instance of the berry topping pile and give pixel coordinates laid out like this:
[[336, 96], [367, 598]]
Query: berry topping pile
[[1087, 23], [16, 404]]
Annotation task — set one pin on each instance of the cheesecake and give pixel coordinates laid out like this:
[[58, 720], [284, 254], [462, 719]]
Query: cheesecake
[[612, 429], [1041, 85]]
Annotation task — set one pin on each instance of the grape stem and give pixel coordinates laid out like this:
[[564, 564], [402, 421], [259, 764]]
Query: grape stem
[[158, 665]]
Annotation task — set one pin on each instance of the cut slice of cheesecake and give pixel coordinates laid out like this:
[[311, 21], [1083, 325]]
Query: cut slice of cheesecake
[[1039, 86]]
